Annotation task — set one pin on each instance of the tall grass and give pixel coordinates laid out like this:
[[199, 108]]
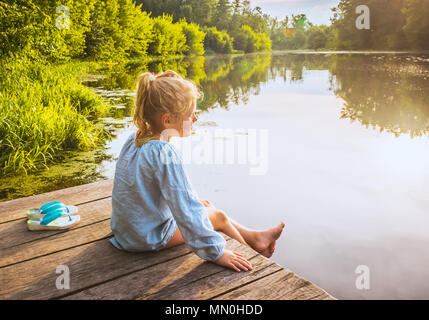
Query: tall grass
[[44, 109]]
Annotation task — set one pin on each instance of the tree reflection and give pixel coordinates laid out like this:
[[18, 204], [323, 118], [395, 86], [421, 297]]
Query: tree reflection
[[382, 91], [234, 80], [388, 93], [224, 79]]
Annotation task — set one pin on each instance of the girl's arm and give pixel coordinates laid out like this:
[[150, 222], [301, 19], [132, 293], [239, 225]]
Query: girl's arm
[[187, 209]]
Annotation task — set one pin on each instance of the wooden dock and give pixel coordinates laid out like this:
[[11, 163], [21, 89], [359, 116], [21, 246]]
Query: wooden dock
[[29, 261]]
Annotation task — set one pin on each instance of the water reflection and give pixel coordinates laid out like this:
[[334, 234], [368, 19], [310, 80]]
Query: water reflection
[[386, 92]]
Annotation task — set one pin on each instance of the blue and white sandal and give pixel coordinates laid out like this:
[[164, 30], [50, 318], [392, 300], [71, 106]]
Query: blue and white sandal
[[50, 207], [54, 220]]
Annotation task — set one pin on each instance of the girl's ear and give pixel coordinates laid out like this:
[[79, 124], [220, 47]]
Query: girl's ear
[[166, 118]]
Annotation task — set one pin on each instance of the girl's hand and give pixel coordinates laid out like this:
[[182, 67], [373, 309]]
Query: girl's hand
[[234, 260]]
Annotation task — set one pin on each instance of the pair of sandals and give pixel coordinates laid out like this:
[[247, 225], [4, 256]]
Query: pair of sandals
[[53, 215]]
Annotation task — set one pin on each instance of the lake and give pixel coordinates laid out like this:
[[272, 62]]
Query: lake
[[334, 144]]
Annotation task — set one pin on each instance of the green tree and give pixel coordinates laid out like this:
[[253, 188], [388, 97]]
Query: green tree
[[386, 25], [194, 38], [417, 23], [222, 15], [316, 38], [202, 11], [299, 39], [265, 41], [27, 28], [237, 6], [119, 29], [246, 40], [217, 41], [168, 39], [105, 30], [250, 41], [136, 29], [158, 8]]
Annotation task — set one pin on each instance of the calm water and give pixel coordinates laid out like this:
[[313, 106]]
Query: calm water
[[341, 156]]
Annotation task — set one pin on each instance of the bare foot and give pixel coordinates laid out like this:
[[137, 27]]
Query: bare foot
[[265, 241], [272, 247]]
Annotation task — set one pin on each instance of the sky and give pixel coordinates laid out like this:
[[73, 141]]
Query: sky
[[317, 11]]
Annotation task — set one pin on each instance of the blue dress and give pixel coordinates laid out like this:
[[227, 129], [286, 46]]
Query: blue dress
[[152, 196]]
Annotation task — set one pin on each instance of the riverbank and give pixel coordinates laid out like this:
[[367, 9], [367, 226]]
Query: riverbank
[[115, 84], [327, 51], [46, 110]]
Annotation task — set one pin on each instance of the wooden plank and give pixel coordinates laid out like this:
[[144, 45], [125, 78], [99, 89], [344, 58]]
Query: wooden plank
[[55, 243], [165, 278], [14, 233], [282, 285], [15, 209], [324, 296], [89, 265], [219, 282], [308, 290]]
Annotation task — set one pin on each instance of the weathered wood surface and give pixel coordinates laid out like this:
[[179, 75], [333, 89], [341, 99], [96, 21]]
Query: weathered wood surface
[[12, 210], [28, 260]]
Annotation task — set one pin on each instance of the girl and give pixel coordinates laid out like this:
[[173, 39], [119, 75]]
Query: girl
[[154, 204]]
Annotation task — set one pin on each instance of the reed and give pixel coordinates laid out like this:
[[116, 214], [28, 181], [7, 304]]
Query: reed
[[44, 109]]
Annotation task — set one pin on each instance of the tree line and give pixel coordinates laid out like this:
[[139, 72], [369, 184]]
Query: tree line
[[393, 25], [110, 29]]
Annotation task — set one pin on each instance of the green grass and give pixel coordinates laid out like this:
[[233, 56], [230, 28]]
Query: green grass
[[44, 109]]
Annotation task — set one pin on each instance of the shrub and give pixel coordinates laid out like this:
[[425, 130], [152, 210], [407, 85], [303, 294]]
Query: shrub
[[43, 110], [249, 41], [119, 29], [168, 37], [217, 41], [316, 38], [265, 42], [194, 38], [25, 30]]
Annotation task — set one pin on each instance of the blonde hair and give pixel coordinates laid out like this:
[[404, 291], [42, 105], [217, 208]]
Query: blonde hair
[[166, 92]]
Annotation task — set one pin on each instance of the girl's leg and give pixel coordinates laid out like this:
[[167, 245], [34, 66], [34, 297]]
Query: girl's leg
[[175, 240], [248, 234], [220, 222], [262, 241]]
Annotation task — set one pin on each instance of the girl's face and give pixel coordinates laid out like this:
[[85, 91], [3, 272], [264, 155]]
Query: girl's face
[[187, 121], [184, 126]]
